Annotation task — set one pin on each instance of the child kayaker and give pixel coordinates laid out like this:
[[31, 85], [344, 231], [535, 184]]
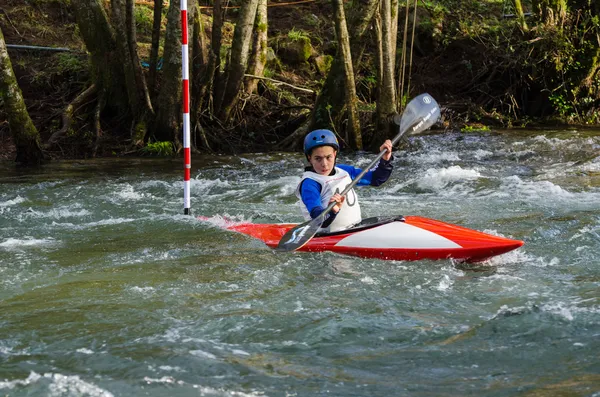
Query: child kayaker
[[323, 180]]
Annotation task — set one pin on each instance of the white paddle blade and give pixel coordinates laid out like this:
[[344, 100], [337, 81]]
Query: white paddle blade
[[420, 114]]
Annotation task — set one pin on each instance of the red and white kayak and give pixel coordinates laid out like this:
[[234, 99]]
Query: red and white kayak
[[394, 238]]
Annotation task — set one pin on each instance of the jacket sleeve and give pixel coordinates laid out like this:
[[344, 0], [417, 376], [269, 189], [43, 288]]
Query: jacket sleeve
[[382, 172], [375, 176]]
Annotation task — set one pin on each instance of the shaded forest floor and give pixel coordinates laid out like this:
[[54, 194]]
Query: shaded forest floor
[[51, 79]]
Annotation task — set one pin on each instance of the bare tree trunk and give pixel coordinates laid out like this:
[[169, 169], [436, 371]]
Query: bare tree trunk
[[199, 68], [158, 7], [142, 87], [200, 65], [168, 115], [240, 49], [99, 38], [25, 136], [137, 91], [119, 25], [199, 42], [212, 86], [353, 129], [258, 58], [378, 45], [386, 98], [394, 31], [331, 99]]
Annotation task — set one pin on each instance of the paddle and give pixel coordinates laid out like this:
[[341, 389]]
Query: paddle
[[420, 114]]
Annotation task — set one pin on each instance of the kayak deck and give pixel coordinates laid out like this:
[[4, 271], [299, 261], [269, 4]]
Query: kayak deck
[[395, 238]]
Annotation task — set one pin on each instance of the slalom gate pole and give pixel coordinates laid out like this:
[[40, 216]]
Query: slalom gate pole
[[187, 156]]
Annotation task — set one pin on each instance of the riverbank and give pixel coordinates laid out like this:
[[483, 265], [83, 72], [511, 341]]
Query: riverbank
[[483, 69]]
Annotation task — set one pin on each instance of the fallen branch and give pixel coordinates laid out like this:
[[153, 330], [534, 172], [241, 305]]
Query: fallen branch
[[67, 116], [280, 82]]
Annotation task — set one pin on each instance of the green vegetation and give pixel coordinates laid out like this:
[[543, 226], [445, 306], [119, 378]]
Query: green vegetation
[[298, 35], [158, 149]]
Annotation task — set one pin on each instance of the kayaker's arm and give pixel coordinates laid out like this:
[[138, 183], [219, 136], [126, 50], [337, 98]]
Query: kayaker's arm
[[382, 172], [310, 192], [375, 177]]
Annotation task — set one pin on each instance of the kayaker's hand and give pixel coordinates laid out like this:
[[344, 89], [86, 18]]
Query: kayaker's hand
[[388, 146], [339, 200]]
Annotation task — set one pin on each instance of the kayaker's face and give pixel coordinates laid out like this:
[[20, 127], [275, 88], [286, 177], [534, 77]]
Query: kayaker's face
[[322, 159]]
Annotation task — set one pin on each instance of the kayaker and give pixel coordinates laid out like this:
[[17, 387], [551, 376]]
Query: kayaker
[[324, 179]]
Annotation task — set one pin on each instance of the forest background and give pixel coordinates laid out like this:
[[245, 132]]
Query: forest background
[[103, 78]]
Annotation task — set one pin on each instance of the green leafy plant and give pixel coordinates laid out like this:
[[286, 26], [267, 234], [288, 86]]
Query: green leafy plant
[[298, 35], [158, 149]]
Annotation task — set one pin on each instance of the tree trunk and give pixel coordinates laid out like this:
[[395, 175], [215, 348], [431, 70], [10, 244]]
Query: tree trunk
[[354, 137], [212, 86], [394, 31], [119, 25], [258, 58], [386, 98], [25, 136], [331, 99], [140, 80], [168, 115], [156, 25], [137, 90], [99, 38], [240, 49]]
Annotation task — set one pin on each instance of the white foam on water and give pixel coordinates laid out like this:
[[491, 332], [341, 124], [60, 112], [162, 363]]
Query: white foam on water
[[299, 306], [159, 183], [171, 368], [83, 350], [143, 290], [571, 309], [481, 154], [32, 378], [15, 243], [60, 385], [12, 202], [445, 283], [240, 352], [510, 258], [433, 156], [57, 213], [585, 231], [209, 391], [286, 186], [513, 186], [225, 220], [128, 193], [439, 178], [164, 380], [204, 186], [110, 221], [368, 280], [203, 354]]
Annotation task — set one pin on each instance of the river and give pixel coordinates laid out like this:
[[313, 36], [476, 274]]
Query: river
[[107, 289]]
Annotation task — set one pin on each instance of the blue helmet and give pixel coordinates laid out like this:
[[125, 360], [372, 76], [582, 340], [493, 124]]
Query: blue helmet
[[320, 138]]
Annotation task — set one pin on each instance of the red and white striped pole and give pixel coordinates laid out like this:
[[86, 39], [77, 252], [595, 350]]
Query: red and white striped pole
[[187, 156]]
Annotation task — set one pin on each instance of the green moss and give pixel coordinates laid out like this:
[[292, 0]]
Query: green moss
[[261, 27]]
